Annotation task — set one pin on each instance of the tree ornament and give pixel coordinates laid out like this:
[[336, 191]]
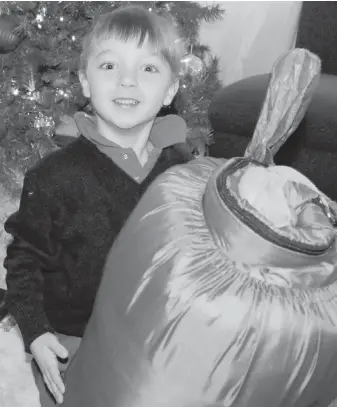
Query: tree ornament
[[10, 34], [192, 65]]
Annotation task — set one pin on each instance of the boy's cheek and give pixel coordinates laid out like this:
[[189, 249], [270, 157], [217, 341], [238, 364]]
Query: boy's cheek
[[155, 87]]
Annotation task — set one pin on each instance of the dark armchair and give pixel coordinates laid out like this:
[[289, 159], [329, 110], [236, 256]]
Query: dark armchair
[[312, 149]]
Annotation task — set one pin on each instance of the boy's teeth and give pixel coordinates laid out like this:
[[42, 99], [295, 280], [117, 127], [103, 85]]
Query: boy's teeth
[[126, 101]]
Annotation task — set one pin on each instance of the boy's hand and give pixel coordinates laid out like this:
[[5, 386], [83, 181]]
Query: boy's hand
[[46, 349]]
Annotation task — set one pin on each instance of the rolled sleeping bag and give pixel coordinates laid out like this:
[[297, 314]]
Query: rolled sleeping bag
[[204, 299]]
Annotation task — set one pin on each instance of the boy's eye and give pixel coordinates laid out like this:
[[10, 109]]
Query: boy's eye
[[150, 68], [108, 66]]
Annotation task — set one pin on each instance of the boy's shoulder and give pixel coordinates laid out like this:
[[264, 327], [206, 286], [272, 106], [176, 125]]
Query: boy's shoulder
[[178, 153], [61, 162], [183, 151]]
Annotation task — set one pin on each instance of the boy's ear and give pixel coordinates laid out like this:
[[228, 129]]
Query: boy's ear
[[171, 92], [84, 83]]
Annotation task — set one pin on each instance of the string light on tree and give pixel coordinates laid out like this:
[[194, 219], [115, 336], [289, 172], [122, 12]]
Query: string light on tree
[[30, 95], [44, 11], [42, 121], [15, 91], [63, 93], [40, 17]]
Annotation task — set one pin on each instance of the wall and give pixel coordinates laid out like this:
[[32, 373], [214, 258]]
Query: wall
[[252, 35]]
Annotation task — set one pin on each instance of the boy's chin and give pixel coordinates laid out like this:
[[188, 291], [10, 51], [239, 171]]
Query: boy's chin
[[125, 125]]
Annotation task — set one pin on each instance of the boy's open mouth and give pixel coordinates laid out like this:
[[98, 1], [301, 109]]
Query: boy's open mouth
[[126, 103]]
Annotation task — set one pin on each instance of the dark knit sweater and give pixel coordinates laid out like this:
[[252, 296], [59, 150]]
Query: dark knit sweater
[[73, 204]]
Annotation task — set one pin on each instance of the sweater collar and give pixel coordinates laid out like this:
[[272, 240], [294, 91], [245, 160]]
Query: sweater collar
[[166, 131]]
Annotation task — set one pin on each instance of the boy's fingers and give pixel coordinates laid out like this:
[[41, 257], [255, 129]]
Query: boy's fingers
[[58, 349], [48, 383], [58, 396], [53, 388], [48, 365], [55, 376]]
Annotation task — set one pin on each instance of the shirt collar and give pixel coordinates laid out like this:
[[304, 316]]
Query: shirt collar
[[166, 130]]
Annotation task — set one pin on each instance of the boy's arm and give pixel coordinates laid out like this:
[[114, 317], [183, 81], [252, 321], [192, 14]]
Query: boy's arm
[[31, 248]]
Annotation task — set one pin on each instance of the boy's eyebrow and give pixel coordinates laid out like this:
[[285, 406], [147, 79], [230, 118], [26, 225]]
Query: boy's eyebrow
[[107, 51]]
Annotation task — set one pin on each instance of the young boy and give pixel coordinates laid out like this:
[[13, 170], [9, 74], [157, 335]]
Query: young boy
[[75, 201]]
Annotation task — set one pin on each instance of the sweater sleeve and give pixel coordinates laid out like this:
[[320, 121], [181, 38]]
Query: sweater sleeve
[[31, 250]]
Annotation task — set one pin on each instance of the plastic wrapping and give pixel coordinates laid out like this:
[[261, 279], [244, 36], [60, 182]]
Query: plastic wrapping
[[292, 84], [203, 302]]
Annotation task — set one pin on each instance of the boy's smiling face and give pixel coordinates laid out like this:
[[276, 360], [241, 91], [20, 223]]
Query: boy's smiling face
[[127, 83]]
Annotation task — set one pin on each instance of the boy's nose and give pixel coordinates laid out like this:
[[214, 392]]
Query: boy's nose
[[128, 78]]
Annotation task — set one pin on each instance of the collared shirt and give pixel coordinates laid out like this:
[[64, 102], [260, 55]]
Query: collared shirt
[[166, 131]]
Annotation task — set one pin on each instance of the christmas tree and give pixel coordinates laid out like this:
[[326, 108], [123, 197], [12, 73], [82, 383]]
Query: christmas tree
[[40, 43]]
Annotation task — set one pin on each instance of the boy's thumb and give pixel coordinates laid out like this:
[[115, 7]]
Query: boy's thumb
[[58, 349]]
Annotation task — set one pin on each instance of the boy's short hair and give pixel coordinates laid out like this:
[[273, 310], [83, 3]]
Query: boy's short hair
[[135, 22]]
